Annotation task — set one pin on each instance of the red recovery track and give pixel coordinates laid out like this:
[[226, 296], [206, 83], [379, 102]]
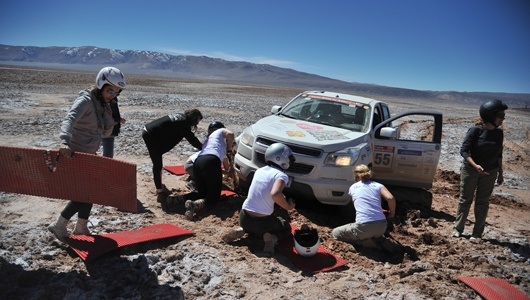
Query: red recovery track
[[494, 288], [90, 247], [82, 177]]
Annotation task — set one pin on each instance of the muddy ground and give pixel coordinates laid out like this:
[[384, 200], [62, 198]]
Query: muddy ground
[[424, 265]]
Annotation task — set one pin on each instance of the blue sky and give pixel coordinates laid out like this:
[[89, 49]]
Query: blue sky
[[442, 45]]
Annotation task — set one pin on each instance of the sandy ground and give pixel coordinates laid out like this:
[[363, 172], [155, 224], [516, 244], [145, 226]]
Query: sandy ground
[[425, 263]]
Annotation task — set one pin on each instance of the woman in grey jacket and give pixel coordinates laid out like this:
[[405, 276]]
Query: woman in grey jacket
[[89, 118]]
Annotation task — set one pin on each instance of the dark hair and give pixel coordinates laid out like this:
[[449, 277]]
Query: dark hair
[[193, 116]]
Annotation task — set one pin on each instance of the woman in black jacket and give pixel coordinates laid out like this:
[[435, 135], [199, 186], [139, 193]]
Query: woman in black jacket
[[164, 134], [481, 168]]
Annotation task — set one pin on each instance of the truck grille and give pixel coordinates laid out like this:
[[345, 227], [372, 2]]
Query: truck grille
[[297, 168], [296, 149]]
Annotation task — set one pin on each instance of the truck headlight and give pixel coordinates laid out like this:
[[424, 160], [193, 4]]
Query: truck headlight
[[247, 137], [345, 157]]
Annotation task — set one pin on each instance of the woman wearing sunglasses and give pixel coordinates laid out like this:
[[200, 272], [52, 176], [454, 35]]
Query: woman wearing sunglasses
[[482, 166], [89, 118]]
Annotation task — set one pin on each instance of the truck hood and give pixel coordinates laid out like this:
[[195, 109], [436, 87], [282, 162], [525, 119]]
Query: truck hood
[[292, 131]]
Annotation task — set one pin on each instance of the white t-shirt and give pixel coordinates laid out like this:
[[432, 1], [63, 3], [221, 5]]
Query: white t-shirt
[[215, 144], [366, 197], [259, 199]]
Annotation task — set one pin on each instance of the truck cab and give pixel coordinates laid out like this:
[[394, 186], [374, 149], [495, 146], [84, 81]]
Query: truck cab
[[330, 133]]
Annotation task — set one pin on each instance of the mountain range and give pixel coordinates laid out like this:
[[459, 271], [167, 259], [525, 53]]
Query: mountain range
[[92, 58]]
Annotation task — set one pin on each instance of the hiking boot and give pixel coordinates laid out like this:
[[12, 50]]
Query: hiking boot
[[81, 227], [456, 233], [59, 229], [270, 241], [233, 235], [192, 207]]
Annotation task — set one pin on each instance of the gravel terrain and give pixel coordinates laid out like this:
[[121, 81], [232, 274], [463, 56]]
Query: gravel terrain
[[423, 263]]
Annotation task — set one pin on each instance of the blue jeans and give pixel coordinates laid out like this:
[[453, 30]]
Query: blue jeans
[[474, 185], [108, 146]]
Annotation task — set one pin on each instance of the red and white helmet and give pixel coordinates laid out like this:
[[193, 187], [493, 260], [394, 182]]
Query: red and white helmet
[[112, 76], [306, 241]]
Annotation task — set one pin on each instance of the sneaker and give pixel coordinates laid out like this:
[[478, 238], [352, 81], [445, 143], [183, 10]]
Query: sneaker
[[456, 233], [475, 239], [270, 242], [190, 209], [233, 235]]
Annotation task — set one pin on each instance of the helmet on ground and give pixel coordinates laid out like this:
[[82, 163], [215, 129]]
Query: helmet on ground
[[112, 76], [280, 155], [489, 109], [306, 241]]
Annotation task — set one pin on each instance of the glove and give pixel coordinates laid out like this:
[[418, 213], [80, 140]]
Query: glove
[[66, 151]]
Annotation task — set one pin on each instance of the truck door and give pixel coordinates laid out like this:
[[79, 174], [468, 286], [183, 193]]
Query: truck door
[[406, 149]]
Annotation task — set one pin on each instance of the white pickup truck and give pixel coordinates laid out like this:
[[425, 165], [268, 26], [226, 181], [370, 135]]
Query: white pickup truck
[[330, 133]]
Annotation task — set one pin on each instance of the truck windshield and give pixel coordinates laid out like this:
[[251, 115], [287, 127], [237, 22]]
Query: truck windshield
[[353, 116]]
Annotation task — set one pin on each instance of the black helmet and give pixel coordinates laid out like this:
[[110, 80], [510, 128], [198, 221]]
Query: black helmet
[[216, 125], [489, 109]]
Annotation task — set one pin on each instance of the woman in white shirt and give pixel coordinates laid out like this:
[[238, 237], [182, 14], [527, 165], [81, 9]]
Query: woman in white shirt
[[257, 214], [370, 221], [207, 169]]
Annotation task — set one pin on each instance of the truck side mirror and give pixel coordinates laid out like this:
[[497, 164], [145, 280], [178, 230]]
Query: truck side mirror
[[276, 109], [389, 132]]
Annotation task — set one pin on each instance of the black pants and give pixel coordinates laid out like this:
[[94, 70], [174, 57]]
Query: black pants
[[82, 209], [258, 226], [208, 179], [156, 157]]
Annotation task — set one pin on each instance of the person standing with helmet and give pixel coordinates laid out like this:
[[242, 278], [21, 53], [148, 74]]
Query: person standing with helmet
[[89, 118], [370, 221], [257, 214], [162, 135], [207, 169], [482, 166]]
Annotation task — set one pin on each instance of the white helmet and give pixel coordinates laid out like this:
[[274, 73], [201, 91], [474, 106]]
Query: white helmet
[[112, 76], [306, 241], [280, 155]]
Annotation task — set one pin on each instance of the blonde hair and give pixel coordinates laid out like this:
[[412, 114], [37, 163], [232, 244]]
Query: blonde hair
[[363, 172]]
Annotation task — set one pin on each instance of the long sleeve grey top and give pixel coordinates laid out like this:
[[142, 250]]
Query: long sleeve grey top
[[85, 123]]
